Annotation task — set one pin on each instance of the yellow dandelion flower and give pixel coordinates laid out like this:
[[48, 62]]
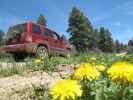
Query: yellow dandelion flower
[[66, 90], [100, 68], [86, 71], [121, 72], [38, 61]]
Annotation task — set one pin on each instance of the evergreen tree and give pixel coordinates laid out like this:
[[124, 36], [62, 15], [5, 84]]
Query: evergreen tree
[[108, 42], [41, 20], [117, 46], [105, 40], [96, 37], [102, 39], [81, 31], [130, 46], [130, 42], [123, 47], [1, 37]]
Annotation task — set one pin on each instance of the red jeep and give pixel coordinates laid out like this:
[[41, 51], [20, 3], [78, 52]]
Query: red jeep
[[30, 38]]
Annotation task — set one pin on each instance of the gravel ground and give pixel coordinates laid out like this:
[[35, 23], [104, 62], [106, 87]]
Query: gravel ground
[[19, 87]]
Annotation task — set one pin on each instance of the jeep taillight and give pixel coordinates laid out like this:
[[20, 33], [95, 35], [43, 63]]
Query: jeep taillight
[[28, 38], [66, 45]]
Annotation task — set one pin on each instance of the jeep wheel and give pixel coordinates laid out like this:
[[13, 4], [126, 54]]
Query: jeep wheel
[[41, 52]]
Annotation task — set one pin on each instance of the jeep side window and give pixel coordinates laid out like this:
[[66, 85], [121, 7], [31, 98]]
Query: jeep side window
[[50, 33], [46, 32], [56, 36], [36, 29]]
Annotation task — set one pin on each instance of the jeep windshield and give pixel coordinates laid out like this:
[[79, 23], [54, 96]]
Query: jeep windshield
[[14, 33]]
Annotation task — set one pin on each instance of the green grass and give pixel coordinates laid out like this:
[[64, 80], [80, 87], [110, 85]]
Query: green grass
[[6, 57], [5, 72], [103, 87], [49, 64]]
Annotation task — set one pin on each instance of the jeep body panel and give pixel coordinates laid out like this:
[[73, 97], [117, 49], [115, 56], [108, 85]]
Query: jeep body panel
[[34, 35]]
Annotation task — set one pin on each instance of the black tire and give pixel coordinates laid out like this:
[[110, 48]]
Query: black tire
[[19, 57], [41, 52]]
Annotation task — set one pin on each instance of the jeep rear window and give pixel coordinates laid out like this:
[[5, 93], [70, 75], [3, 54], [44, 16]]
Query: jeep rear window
[[17, 29]]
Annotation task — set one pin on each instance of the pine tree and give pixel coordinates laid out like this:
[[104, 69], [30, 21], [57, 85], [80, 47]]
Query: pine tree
[[108, 42], [123, 47], [130, 46], [102, 40], [41, 20], [96, 37], [1, 37], [1, 34], [80, 30], [117, 46], [130, 42], [105, 40]]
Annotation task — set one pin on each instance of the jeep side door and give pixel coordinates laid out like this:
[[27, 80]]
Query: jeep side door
[[51, 41], [36, 33]]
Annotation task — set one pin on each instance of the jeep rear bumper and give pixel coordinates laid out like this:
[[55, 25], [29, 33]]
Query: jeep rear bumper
[[19, 48]]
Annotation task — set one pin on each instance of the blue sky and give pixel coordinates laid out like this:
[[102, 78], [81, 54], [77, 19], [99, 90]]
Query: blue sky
[[116, 15]]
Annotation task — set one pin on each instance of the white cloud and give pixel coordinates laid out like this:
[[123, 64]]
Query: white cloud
[[117, 24]]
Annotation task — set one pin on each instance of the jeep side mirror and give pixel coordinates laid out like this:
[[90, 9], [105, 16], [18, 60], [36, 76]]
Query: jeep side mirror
[[63, 37]]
